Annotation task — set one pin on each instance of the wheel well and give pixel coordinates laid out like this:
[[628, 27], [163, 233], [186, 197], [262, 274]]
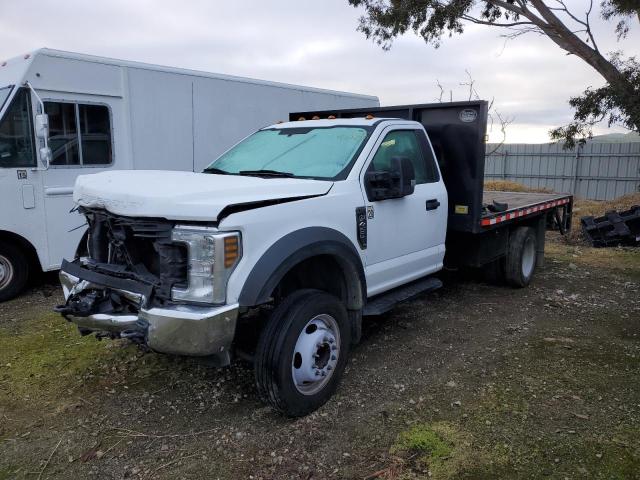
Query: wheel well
[[325, 272], [25, 246]]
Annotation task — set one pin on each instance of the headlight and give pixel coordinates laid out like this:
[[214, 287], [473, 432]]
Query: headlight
[[212, 258]]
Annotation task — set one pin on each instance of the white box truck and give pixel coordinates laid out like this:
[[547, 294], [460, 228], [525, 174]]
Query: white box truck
[[103, 114]]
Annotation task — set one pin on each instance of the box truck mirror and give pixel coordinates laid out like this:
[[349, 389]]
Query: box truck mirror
[[42, 126], [45, 157]]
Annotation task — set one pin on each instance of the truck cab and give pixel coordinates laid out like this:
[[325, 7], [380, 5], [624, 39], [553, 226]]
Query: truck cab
[[289, 238]]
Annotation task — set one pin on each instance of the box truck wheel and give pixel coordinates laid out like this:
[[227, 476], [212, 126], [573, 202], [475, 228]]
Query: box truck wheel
[[14, 270], [302, 352], [521, 257]]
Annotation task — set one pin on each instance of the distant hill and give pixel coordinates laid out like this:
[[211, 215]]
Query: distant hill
[[616, 138]]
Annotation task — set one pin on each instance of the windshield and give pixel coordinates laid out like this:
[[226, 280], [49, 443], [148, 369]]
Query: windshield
[[16, 133], [323, 152], [4, 94]]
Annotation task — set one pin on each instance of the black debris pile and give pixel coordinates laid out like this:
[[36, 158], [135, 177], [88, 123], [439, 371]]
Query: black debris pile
[[614, 228]]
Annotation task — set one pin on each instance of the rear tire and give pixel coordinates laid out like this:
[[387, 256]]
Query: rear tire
[[521, 260], [14, 271], [302, 352]]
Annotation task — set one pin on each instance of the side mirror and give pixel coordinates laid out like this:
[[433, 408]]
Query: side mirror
[[42, 133], [397, 182], [45, 157], [42, 126]]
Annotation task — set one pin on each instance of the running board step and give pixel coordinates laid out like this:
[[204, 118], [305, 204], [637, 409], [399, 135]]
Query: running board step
[[386, 301]]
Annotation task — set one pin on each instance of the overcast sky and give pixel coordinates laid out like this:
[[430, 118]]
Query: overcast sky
[[315, 42]]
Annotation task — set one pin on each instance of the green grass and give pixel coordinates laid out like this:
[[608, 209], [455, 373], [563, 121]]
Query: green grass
[[47, 359], [444, 450], [425, 441]]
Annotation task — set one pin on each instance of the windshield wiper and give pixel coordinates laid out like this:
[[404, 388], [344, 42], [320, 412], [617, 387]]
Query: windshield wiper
[[215, 170], [266, 173]]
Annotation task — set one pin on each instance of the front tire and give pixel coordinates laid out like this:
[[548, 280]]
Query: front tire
[[14, 271], [302, 352]]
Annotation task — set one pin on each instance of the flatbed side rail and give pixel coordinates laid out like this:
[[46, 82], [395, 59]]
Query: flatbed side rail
[[560, 207]]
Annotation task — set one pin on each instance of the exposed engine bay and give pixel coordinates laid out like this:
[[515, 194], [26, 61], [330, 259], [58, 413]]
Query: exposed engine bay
[[132, 254]]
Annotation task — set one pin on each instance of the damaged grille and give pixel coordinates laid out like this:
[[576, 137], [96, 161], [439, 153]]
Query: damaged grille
[[137, 249]]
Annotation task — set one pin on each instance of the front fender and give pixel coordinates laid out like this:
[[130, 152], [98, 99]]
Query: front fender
[[292, 249]]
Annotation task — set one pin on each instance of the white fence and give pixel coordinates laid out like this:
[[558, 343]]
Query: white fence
[[599, 171]]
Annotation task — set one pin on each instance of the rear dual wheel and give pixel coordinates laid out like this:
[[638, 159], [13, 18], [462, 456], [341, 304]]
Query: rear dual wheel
[[302, 352], [517, 267]]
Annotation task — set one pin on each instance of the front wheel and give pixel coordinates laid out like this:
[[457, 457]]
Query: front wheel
[[14, 271], [302, 352]]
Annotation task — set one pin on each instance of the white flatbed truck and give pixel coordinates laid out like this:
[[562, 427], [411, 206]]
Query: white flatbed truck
[[293, 235]]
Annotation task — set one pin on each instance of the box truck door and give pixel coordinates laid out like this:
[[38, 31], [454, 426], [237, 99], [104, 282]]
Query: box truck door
[[21, 209], [80, 138]]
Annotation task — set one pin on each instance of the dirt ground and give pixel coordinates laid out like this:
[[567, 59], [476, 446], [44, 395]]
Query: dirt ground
[[472, 381]]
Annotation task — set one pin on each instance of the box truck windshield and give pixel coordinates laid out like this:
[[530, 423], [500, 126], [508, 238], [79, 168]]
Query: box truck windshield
[[16, 138], [4, 94], [321, 153]]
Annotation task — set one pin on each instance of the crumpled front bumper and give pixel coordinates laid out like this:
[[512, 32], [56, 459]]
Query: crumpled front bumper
[[178, 329]]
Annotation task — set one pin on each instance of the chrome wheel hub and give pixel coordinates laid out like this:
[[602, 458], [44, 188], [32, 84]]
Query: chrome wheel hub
[[6, 272], [316, 354], [528, 257]]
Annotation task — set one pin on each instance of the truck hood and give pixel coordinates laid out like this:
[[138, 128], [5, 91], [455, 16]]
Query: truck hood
[[185, 195]]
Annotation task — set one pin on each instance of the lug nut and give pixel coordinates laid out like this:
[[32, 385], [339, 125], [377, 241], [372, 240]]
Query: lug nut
[[317, 372], [333, 357], [329, 367], [333, 347]]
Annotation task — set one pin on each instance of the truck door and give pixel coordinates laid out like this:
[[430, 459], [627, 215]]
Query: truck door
[[80, 138], [405, 236], [21, 211]]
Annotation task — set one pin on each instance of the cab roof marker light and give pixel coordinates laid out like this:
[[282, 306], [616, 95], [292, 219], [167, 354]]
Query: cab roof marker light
[[369, 117], [331, 117], [315, 117], [301, 119]]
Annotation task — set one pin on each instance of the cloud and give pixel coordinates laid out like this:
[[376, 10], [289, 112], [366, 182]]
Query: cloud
[[315, 42]]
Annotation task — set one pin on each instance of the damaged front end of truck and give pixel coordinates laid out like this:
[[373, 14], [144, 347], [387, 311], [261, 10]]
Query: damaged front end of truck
[[151, 281]]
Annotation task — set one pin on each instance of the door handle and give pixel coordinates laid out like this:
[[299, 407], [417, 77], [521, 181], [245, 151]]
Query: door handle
[[433, 204]]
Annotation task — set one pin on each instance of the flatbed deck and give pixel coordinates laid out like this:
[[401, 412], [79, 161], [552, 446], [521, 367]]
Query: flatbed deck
[[519, 204]]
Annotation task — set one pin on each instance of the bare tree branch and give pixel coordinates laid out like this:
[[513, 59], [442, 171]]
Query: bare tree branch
[[441, 90], [504, 124], [494, 116]]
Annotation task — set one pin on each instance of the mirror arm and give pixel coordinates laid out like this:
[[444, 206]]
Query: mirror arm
[[41, 104]]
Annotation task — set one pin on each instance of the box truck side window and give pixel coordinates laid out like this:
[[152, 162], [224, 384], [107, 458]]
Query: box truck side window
[[79, 134], [16, 134]]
